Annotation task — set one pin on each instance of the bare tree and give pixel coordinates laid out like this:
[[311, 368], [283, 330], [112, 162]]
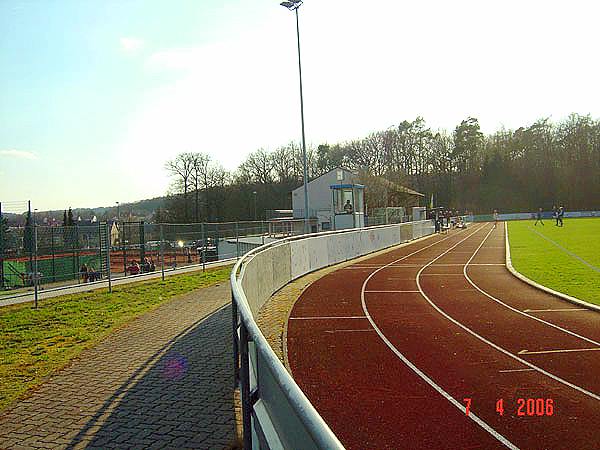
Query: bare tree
[[181, 167]]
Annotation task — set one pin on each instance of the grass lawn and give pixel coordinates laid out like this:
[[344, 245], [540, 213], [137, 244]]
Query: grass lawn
[[36, 343], [540, 260]]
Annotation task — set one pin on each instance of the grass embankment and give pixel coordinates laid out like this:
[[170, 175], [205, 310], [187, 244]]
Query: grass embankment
[[544, 262], [34, 343]]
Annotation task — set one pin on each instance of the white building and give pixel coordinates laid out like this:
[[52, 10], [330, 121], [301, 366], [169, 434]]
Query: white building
[[336, 201]]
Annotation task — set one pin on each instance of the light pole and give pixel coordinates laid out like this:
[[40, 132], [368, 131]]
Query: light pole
[[293, 5], [254, 193]]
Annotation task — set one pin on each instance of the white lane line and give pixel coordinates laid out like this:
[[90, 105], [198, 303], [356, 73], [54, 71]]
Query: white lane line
[[420, 373], [567, 251], [327, 317], [556, 310], [497, 347], [527, 352], [486, 264], [515, 370], [348, 331], [442, 274], [370, 292], [550, 324]]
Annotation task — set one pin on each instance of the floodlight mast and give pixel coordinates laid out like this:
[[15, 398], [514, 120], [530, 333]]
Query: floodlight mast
[[293, 5]]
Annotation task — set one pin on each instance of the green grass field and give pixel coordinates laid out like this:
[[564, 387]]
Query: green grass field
[[34, 343], [540, 260]]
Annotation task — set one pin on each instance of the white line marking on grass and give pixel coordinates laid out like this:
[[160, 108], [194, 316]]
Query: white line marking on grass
[[556, 310], [515, 370], [567, 251], [419, 372], [527, 352]]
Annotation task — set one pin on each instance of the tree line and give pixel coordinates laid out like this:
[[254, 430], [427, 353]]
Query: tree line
[[539, 165]]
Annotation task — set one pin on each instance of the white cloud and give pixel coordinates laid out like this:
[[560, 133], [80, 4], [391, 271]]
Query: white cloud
[[18, 154], [131, 44]]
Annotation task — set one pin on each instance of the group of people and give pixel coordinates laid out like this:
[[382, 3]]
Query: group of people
[[557, 214], [146, 266], [89, 274], [446, 219]]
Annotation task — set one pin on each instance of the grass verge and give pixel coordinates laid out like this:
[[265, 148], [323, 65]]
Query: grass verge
[[539, 259], [34, 343]]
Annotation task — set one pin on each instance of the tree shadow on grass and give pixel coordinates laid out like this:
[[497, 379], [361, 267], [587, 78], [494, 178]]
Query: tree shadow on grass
[[183, 396]]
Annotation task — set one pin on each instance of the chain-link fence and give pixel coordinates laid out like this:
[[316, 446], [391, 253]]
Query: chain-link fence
[[56, 256]]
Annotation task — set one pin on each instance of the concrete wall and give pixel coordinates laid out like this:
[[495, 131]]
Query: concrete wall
[[269, 270]]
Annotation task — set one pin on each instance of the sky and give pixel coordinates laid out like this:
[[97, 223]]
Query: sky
[[96, 96]]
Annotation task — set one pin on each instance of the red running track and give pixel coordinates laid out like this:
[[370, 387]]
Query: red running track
[[387, 350]]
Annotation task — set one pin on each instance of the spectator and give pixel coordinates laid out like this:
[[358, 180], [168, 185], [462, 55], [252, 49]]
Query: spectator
[[134, 268], [152, 266], [84, 273], [348, 207]]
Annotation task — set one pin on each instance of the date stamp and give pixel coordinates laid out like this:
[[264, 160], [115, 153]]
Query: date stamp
[[523, 407]]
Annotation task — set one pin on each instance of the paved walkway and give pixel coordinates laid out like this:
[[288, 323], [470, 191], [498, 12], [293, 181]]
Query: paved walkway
[[163, 381]]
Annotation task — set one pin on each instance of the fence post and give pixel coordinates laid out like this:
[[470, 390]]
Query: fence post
[[77, 265], [122, 239], [108, 244], [162, 253], [203, 237], [53, 251], [1, 249], [142, 242], [237, 240], [35, 265]]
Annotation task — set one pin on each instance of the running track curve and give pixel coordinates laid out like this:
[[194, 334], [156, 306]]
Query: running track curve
[[389, 348]]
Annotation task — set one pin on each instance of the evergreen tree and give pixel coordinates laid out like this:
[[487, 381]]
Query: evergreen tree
[[65, 218]]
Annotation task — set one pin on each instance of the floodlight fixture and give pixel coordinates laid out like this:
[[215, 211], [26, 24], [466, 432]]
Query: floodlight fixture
[[293, 5]]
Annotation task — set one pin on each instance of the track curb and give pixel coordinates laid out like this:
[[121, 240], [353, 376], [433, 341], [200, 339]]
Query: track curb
[[541, 287]]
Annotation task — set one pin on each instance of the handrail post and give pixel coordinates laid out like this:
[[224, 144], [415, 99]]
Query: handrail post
[[245, 388], [236, 355]]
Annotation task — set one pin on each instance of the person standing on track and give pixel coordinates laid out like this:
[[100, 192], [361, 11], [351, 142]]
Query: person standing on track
[[538, 217], [496, 217]]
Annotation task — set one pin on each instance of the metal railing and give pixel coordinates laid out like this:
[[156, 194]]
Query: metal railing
[[275, 411]]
